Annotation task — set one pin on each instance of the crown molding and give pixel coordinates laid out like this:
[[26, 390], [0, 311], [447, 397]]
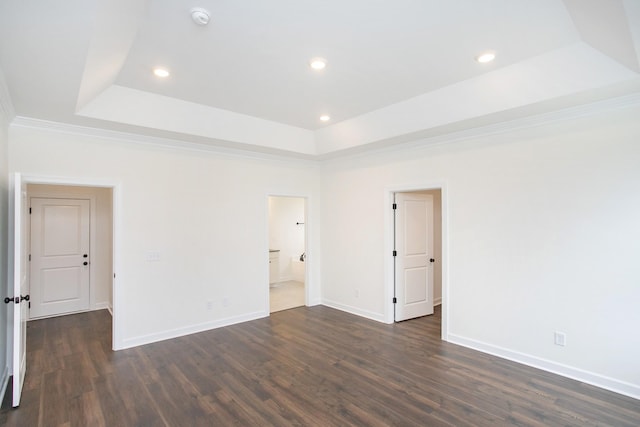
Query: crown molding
[[6, 106], [226, 148], [518, 124], [155, 142]]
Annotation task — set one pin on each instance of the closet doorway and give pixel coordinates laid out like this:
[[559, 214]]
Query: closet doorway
[[287, 252]]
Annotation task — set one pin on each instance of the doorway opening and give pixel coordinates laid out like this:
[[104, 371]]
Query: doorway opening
[[70, 242], [19, 262], [417, 236], [287, 252]]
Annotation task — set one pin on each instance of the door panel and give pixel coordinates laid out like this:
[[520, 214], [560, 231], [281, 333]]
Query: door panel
[[60, 256], [414, 246], [415, 285], [20, 286]]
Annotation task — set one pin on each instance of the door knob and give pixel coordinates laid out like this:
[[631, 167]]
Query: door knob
[[85, 263], [84, 256], [25, 298], [432, 260]]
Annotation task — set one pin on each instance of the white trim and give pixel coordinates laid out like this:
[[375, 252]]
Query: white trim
[[104, 305], [4, 382], [627, 389], [192, 329], [378, 317], [389, 244], [437, 301], [189, 143], [501, 127], [186, 144]]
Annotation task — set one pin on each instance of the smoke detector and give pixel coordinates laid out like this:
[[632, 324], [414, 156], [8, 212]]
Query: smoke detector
[[200, 16]]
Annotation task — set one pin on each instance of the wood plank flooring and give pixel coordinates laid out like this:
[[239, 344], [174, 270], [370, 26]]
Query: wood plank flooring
[[301, 367]]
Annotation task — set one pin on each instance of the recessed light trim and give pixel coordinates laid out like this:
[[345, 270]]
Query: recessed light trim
[[161, 72], [485, 57], [325, 118], [318, 63]]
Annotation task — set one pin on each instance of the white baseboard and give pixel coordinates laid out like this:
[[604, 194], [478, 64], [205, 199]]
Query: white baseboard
[[4, 381], [101, 306], [355, 310], [437, 301], [612, 384], [193, 329], [314, 302]]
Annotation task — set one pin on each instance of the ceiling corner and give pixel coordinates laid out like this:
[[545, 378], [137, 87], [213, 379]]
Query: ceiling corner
[[609, 27]]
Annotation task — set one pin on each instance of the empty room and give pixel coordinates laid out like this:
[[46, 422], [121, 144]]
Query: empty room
[[319, 213]]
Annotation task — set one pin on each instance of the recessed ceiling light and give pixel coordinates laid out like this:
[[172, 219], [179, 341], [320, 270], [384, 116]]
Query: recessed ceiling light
[[161, 72], [318, 63], [486, 57], [325, 118]]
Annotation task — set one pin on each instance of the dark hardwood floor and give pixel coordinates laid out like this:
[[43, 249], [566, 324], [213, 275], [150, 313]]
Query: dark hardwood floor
[[307, 366]]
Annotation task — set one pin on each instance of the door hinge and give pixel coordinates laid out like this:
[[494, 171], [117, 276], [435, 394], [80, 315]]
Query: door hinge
[[395, 206], [29, 304], [395, 300], [395, 253], [29, 257], [29, 211]]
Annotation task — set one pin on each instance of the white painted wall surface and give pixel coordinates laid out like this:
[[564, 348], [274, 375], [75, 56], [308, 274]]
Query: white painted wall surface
[[543, 236], [101, 259], [285, 234], [203, 214]]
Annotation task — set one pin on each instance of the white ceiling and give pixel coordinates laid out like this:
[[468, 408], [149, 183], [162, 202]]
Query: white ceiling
[[396, 70]]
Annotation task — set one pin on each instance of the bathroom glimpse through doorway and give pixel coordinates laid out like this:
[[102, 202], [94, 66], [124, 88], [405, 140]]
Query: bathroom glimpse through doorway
[[287, 252]]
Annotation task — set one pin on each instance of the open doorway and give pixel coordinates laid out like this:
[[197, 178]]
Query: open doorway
[[20, 243], [287, 252], [71, 249], [416, 236]]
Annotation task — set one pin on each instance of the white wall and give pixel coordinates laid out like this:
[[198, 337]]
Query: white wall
[[543, 236], [541, 233], [204, 213], [101, 257], [285, 234]]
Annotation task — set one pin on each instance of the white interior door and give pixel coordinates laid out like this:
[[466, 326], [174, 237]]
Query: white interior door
[[414, 255], [20, 291], [59, 256]]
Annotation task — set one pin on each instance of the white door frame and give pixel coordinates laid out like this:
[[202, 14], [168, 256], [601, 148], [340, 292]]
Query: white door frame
[[308, 285], [389, 236], [118, 302]]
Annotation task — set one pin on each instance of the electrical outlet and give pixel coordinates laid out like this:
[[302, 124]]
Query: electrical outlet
[[225, 302], [357, 293], [209, 305], [560, 338]]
